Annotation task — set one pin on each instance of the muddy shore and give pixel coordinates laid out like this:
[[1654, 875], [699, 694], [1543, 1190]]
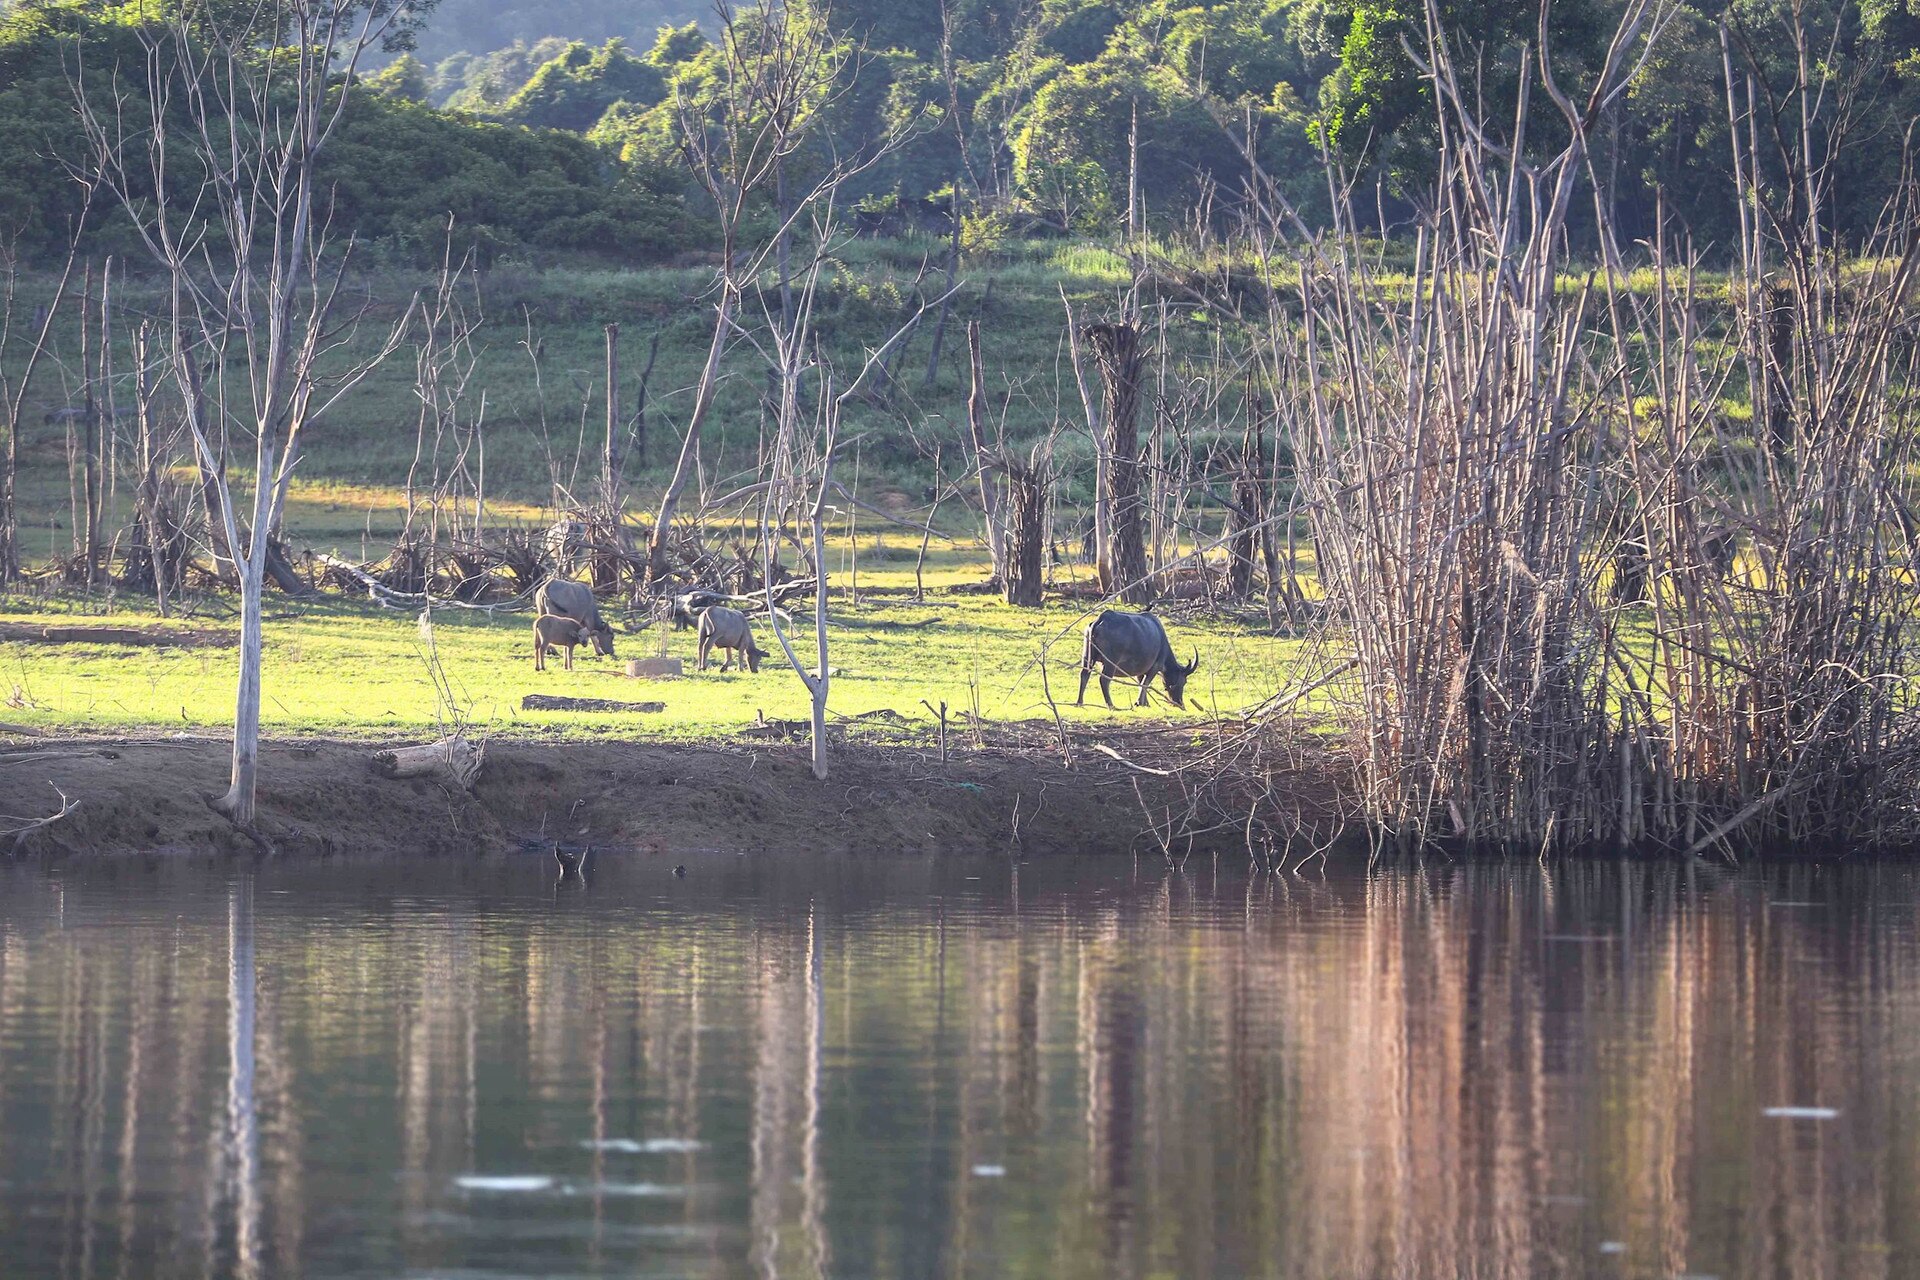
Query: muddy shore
[[320, 796]]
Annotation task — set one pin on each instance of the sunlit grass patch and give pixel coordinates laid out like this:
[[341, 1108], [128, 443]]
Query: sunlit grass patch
[[339, 667]]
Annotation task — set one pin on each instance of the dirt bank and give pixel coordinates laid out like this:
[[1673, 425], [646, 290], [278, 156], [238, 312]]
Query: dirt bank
[[320, 796]]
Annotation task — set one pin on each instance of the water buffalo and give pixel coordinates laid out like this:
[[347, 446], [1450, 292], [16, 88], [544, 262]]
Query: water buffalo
[[575, 600], [550, 630], [1133, 644], [723, 628]]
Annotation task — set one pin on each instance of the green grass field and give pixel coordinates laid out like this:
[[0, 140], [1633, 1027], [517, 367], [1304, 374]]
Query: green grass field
[[348, 668]]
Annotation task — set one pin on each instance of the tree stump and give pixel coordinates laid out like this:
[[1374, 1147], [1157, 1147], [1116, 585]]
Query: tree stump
[[1120, 355], [1026, 530]]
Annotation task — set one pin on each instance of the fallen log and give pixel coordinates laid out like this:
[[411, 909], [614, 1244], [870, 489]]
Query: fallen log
[[148, 637], [453, 758], [552, 702]]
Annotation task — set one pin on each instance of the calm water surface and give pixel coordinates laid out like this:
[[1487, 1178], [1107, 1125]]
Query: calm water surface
[[901, 1068]]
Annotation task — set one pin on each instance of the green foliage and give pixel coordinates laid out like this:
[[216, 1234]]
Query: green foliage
[[405, 79], [504, 189], [574, 90], [397, 176], [469, 82], [1025, 110]]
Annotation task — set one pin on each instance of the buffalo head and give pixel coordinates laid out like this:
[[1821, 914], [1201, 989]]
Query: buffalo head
[[1176, 675]]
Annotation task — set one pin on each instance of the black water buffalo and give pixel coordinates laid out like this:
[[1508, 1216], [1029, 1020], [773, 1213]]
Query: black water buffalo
[[561, 598], [1133, 644]]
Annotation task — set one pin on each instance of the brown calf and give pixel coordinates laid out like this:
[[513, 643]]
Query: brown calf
[[550, 629]]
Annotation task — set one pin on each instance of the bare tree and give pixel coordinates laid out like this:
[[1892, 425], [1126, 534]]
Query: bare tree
[[214, 160], [986, 459], [780, 70], [23, 343], [800, 478]]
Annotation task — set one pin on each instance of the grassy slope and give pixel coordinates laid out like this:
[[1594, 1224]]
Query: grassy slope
[[544, 423]]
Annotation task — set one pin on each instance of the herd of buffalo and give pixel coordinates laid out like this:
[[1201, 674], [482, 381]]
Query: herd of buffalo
[[567, 616]]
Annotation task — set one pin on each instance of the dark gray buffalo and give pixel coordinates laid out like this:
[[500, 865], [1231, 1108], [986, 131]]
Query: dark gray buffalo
[[1135, 645], [564, 599], [728, 630]]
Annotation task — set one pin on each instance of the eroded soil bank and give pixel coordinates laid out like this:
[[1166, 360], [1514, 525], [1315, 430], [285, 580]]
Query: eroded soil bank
[[321, 796]]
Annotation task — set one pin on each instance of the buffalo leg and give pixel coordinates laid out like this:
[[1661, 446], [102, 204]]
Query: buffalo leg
[[1145, 683], [1106, 687], [539, 655], [569, 658], [700, 661]]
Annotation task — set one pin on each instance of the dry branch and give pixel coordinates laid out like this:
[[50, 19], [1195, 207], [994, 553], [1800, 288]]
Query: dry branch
[[30, 825]]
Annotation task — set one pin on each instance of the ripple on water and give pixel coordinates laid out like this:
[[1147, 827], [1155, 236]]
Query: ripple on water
[[644, 1146], [506, 1184]]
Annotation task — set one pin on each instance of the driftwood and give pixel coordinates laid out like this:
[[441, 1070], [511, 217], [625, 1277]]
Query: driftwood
[[453, 758], [30, 825], [552, 702], [154, 637], [387, 598]]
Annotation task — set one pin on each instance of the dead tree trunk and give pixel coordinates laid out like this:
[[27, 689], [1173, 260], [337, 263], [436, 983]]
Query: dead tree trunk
[[610, 455], [93, 444], [1026, 528], [608, 549], [152, 520], [82, 480], [1243, 517], [1117, 349], [977, 426], [946, 300], [1778, 391], [640, 402]]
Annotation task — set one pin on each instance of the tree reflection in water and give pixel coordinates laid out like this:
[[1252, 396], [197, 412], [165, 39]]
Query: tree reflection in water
[[810, 1068]]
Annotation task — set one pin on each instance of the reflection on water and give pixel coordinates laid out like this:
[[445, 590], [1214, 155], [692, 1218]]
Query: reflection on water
[[888, 1068]]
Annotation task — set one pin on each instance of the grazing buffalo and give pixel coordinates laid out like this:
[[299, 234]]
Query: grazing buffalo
[[575, 600], [1133, 644], [723, 628], [551, 630], [686, 607]]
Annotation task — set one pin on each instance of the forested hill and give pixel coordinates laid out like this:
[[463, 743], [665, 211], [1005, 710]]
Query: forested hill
[[548, 128]]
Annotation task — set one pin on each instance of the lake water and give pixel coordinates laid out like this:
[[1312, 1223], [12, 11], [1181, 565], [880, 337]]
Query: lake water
[[1084, 1068]]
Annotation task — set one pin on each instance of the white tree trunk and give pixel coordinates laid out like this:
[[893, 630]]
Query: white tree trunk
[[238, 804], [983, 456], [818, 685]]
